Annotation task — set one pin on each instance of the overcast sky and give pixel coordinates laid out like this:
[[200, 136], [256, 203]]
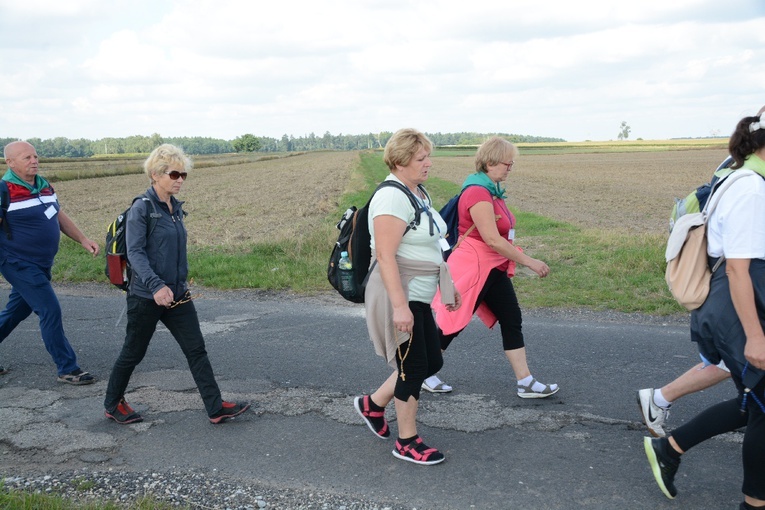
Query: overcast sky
[[223, 68]]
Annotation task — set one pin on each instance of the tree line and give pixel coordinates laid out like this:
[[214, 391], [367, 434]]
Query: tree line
[[61, 147]]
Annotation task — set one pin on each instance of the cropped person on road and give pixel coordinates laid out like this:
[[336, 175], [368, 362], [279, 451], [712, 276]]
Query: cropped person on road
[[485, 260], [158, 291], [729, 325], [32, 222], [655, 403], [409, 268]]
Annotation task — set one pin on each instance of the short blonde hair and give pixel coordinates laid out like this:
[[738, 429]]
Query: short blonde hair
[[163, 157], [493, 151], [403, 145]]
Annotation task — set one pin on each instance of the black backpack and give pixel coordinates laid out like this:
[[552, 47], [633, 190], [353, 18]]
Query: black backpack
[[354, 238], [117, 265]]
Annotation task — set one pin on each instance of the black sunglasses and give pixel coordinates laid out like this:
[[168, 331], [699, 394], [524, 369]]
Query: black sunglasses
[[175, 174]]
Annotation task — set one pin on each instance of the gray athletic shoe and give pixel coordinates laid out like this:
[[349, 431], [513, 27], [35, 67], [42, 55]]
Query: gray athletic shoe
[[654, 416]]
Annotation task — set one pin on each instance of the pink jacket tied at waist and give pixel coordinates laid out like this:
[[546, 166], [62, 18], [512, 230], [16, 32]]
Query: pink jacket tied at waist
[[470, 265]]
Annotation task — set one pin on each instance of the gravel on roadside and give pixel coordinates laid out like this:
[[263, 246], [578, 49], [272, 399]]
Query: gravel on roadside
[[182, 489]]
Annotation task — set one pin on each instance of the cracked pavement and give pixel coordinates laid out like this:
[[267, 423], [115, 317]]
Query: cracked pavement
[[301, 361]]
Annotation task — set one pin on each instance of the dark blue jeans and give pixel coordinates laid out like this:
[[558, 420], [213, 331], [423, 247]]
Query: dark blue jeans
[[31, 291], [182, 322]]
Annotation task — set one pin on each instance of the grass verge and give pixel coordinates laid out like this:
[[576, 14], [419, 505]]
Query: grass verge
[[592, 268], [20, 500]]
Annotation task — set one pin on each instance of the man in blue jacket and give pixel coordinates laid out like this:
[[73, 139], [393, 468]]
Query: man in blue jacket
[[33, 222]]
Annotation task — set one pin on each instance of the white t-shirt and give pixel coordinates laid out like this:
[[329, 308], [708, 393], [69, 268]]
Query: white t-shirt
[[417, 244], [736, 228]]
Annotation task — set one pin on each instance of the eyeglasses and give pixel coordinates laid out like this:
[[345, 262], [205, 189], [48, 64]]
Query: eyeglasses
[[185, 299], [175, 174], [508, 165]]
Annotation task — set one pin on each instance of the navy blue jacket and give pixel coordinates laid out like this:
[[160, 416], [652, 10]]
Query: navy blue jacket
[[160, 259], [718, 331]]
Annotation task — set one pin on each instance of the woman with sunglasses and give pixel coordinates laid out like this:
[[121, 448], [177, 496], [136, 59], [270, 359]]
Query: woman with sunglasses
[[158, 290]]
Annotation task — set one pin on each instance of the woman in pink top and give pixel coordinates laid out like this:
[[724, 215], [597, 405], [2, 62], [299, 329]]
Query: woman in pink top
[[481, 266]]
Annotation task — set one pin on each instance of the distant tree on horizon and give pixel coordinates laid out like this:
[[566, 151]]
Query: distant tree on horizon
[[246, 143], [624, 131]]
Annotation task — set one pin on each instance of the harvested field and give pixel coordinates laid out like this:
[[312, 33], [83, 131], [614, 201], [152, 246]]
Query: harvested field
[[633, 190], [228, 205], [282, 198]]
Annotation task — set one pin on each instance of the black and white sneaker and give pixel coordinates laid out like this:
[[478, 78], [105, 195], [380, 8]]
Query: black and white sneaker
[[654, 416], [663, 466]]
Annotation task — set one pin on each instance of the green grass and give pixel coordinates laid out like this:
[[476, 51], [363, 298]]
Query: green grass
[[22, 500], [591, 268]]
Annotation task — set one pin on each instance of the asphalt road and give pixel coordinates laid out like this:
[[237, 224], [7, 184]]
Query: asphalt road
[[302, 360]]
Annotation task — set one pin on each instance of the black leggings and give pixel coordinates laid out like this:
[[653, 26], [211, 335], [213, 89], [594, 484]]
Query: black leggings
[[499, 295], [727, 417], [421, 353]]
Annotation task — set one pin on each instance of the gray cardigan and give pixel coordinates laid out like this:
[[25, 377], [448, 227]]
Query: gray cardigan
[[379, 310], [160, 259]]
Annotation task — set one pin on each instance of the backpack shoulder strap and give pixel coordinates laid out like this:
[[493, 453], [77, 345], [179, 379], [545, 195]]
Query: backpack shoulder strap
[[412, 200], [152, 217], [720, 187], [5, 201], [410, 196]]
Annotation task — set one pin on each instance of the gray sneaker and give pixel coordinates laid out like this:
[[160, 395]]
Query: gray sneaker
[[654, 416]]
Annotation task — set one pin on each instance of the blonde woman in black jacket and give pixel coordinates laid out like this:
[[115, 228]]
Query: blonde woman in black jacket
[[158, 290]]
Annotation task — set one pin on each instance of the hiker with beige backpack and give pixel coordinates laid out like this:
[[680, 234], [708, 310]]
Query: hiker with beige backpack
[[727, 323]]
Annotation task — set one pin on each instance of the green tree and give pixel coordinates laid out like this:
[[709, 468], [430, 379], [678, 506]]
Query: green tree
[[246, 143]]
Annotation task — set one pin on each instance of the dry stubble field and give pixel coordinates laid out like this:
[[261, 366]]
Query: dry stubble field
[[629, 190], [230, 205], [283, 198]]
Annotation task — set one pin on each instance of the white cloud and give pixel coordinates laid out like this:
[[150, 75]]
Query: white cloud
[[226, 67]]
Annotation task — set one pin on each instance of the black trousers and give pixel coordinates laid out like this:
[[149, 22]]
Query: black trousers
[[727, 417], [420, 356], [182, 321], [499, 295]]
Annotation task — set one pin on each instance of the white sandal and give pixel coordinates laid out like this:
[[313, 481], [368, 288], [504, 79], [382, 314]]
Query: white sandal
[[435, 385], [525, 391]]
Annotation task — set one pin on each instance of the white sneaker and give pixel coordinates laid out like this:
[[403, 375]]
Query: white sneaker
[[435, 385], [654, 416]]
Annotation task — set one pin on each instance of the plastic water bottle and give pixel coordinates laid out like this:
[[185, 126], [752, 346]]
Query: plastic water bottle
[[345, 262], [345, 271]]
